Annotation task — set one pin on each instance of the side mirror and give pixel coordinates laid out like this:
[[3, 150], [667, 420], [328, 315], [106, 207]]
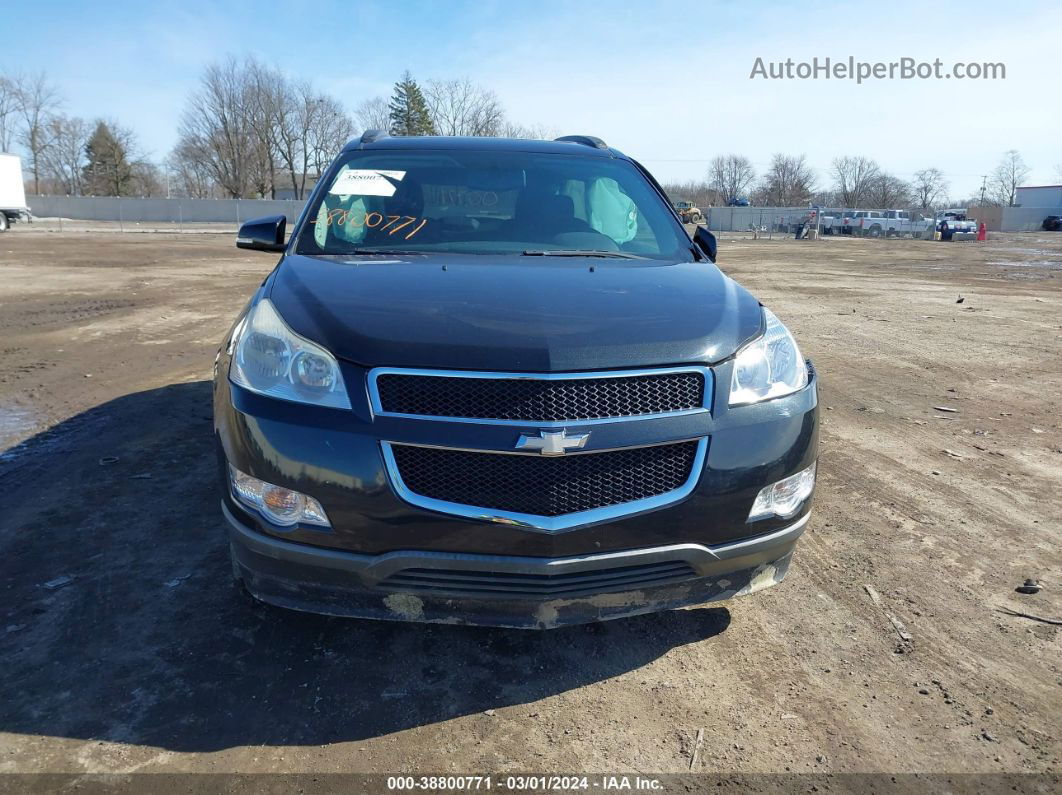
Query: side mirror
[[263, 234], [705, 241]]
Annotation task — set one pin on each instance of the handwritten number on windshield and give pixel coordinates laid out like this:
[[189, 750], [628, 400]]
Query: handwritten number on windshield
[[375, 220]]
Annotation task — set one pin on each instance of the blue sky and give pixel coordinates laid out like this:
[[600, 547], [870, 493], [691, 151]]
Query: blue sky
[[667, 85]]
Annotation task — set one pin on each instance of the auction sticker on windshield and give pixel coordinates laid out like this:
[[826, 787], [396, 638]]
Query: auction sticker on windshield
[[367, 182]]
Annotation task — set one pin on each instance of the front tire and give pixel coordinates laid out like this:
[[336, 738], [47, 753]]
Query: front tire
[[3, 222]]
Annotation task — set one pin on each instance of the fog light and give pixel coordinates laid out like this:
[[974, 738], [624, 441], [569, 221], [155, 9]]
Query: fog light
[[785, 497], [280, 506]]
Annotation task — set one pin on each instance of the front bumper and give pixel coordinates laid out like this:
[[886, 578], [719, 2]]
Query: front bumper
[[388, 556], [505, 590]]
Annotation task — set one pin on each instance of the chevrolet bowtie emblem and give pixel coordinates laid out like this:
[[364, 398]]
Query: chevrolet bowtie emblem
[[552, 442]]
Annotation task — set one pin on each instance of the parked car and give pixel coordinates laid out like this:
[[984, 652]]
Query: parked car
[[738, 202], [496, 382], [1052, 223]]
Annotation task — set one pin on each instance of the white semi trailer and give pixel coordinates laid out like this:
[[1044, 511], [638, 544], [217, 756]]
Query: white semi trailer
[[12, 192]]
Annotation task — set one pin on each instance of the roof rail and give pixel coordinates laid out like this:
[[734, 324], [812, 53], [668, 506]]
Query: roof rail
[[371, 136], [585, 140]]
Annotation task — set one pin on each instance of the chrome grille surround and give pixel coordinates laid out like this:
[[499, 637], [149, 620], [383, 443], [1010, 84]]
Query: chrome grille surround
[[602, 379], [535, 521], [555, 523]]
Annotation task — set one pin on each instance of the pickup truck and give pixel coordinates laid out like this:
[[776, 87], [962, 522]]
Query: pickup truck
[[833, 220], [863, 223], [554, 411], [901, 222], [888, 223], [957, 222]]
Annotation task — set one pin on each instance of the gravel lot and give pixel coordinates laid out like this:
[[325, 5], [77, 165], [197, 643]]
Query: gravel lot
[[124, 648]]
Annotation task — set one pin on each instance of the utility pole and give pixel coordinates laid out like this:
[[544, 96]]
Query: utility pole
[[984, 180]]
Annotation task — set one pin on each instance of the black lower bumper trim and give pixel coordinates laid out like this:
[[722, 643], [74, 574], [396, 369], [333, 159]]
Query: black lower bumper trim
[[509, 591]]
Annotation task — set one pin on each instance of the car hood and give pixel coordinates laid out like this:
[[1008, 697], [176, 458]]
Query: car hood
[[514, 314]]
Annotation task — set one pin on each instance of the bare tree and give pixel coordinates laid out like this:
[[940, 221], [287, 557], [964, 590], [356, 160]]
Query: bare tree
[[189, 173], [696, 191], [374, 114], [37, 99], [457, 107], [146, 179], [825, 198], [460, 107], [294, 116], [10, 107], [1008, 175], [929, 188], [330, 128], [247, 123], [263, 92], [532, 132], [215, 127], [64, 160], [853, 177], [789, 182], [888, 192], [310, 129], [731, 175], [973, 201]]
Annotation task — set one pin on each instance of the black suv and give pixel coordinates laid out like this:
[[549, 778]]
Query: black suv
[[1052, 223], [495, 382]]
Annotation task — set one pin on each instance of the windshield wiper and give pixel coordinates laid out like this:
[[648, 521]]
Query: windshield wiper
[[581, 253]]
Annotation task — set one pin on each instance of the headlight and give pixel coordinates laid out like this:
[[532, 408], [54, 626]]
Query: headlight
[[769, 367], [273, 360], [785, 497], [280, 506]]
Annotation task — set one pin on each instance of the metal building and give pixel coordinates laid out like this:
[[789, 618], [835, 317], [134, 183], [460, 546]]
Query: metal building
[[1039, 196]]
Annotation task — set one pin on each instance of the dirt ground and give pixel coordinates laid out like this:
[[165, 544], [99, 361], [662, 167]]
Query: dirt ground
[[124, 648]]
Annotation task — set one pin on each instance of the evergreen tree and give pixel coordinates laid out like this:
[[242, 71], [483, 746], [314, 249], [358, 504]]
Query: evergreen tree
[[109, 171], [409, 111]]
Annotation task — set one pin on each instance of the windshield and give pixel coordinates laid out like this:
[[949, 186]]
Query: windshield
[[490, 202]]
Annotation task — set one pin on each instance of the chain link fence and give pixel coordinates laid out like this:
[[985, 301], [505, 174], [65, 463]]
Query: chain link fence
[[93, 213], [99, 213]]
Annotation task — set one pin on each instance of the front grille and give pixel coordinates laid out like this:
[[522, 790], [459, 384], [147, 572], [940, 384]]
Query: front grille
[[544, 485], [474, 583], [540, 400]]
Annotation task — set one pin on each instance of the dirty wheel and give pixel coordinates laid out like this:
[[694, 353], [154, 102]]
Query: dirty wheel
[[697, 218], [874, 231]]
